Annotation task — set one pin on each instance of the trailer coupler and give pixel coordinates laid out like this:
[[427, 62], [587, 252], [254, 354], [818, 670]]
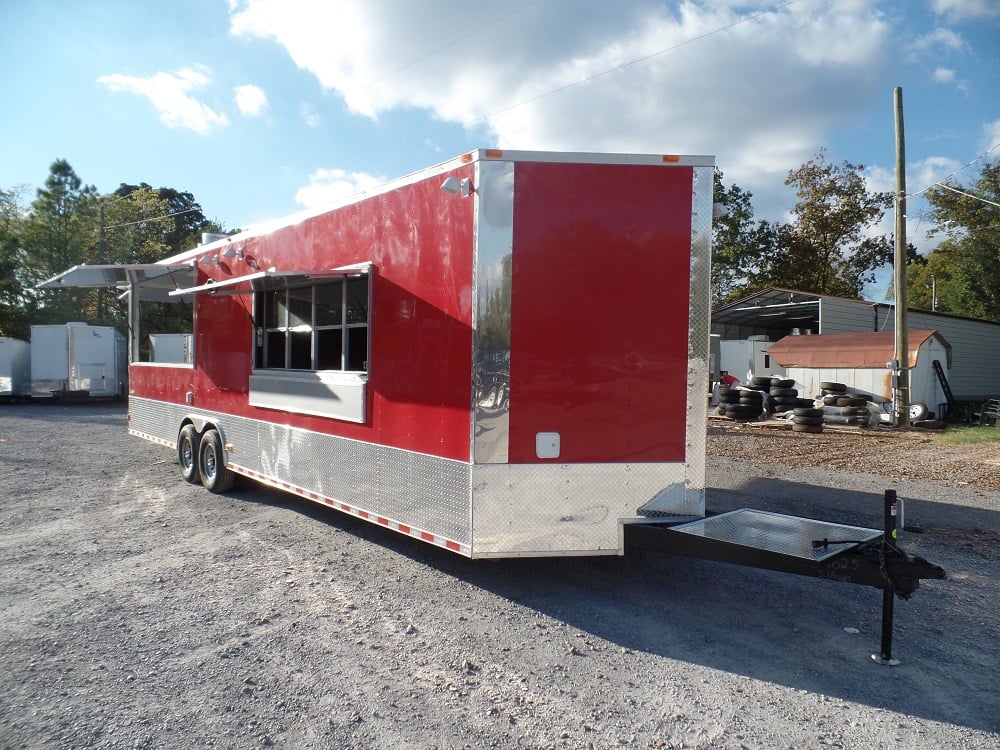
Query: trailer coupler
[[803, 546]]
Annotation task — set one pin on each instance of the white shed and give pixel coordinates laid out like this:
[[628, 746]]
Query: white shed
[[859, 360]]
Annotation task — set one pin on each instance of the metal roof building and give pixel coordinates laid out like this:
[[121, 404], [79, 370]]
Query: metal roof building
[[776, 313]]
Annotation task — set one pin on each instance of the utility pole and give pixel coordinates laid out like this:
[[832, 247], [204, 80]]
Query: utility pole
[[100, 261], [901, 390]]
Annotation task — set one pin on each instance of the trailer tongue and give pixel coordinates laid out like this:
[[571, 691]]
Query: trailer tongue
[[838, 552]]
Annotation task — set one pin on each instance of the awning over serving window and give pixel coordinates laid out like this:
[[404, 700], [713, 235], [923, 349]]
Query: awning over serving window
[[265, 281], [152, 280]]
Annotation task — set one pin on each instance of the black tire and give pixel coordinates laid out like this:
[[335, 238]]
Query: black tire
[[805, 403], [782, 383], [187, 453], [729, 397], [808, 412], [760, 382], [721, 410], [807, 420], [833, 387], [918, 412], [786, 400], [215, 475], [742, 413], [784, 392], [814, 428]]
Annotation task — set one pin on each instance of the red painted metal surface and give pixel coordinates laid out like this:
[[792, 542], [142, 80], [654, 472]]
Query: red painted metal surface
[[599, 311], [420, 324]]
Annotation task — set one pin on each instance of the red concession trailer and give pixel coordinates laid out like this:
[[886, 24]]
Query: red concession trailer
[[503, 355]]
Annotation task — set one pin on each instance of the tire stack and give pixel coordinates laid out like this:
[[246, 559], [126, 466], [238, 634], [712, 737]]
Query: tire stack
[[841, 407], [727, 397], [782, 397], [807, 419], [743, 404]]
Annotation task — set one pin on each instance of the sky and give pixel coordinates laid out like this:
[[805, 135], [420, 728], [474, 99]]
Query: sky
[[263, 108]]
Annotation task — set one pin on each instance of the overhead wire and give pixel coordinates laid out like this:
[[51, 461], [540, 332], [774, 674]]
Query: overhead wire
[[940, 183], [452, 43], [622, 66]]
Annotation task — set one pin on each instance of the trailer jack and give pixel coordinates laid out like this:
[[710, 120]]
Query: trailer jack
[[802, 546]]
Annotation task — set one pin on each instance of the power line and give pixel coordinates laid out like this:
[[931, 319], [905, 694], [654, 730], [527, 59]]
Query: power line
[[452, 43], [967, 194], [152, 218], [940, 183], [622, 66]]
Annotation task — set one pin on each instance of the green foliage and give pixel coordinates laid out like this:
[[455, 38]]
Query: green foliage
[[969, 435], [828, 248], [68, 224], [739, 243], [13, 316], [965, 267]]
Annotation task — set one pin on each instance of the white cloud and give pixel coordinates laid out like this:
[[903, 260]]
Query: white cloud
[[943, 75], [762, 92], [966, 9], [251, 100], [331, 185], [170, 95], [991, 131]]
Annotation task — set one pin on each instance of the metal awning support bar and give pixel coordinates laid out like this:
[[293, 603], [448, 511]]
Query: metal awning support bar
[[274, 279]]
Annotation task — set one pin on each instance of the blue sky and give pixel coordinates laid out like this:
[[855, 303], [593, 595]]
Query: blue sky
[[261, 108]]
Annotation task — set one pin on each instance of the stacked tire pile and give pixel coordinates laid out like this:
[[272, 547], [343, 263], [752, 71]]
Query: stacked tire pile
[[782, 396], [742, 404], [841, 407]]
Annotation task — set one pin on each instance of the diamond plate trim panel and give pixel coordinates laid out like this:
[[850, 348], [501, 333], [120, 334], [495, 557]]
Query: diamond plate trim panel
[[525, 509]]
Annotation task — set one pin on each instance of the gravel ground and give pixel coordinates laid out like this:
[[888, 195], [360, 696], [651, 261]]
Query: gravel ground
[[143, 612]]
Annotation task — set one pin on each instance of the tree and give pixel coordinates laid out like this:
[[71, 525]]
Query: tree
[[58, 233], [965, 267], [13, 316], [739, 245], [830, 238]]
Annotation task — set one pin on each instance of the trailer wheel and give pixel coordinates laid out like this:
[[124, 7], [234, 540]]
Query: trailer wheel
[[212, 463], [187, 453]]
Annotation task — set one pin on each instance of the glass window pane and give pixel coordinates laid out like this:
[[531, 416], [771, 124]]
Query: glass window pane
[[300, 308], [301, 350], [328, 354], [357, 349], [357, 300], [275, 349], [329, 311]]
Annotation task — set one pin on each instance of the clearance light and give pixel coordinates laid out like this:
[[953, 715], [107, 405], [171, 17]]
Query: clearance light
[[671, 158], [494, 153], [465, 158]]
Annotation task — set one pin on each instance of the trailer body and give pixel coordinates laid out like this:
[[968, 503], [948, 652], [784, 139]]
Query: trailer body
[[77, 359], [15, 367], [505, 354]]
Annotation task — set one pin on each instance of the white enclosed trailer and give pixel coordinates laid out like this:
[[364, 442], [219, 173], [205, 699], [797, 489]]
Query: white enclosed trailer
[[15, 367], [77, 359]]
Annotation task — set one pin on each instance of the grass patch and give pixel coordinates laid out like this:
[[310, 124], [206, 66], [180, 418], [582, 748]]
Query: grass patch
[[969, 435]]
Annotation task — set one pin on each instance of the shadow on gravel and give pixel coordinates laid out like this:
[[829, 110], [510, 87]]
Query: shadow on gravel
[[775, 627], [75, 411]]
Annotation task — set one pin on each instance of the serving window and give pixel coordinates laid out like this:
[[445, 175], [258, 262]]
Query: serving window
[[321, 326]]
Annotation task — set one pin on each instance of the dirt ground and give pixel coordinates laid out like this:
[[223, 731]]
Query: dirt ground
[[144, 612]]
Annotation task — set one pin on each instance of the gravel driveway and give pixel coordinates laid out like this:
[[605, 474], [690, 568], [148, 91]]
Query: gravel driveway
[[143, 612]]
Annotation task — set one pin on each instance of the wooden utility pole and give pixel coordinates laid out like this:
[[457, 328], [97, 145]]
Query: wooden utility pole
[[901, 389]]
